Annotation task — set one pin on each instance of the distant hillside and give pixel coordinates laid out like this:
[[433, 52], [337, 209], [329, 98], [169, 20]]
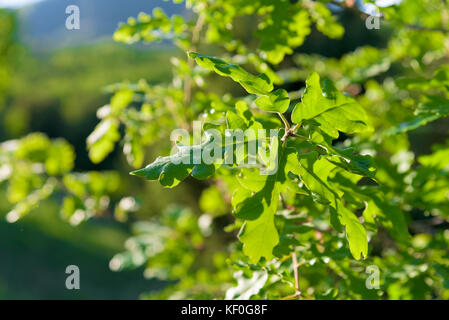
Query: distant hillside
[[42, 24]]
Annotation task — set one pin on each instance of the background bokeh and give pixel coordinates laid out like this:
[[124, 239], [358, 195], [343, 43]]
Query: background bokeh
[[57, 80]]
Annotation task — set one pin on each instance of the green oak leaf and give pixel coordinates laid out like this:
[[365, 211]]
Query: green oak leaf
[[433, 109], [235, 122], [355, 232], [377, 208], [314, 172], [390, 216], [352, 162], [172, 170], [258, 207], [259, 84], [277, 101], [260, 236], [332, 110], [257, 203]]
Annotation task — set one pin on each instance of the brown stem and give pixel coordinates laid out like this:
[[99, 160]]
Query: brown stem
[[291, 132]]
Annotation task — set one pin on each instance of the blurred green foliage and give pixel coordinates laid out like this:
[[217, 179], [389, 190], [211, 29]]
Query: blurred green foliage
[[58, 93], [91, 69]]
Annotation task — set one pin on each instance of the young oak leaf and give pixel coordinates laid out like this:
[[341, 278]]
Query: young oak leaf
[[235, 122], [277, 101], [345, 158], [172, 170], [259, 84], [258, 234], [350, 161], [331, 109], [257, 203], [378, 209], [355, 231], [241, 134], [314, 172]]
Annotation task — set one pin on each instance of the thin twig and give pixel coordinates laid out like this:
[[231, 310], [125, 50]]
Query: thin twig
[[291, 132], [295, 128], [295, 272], [284, 120]]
